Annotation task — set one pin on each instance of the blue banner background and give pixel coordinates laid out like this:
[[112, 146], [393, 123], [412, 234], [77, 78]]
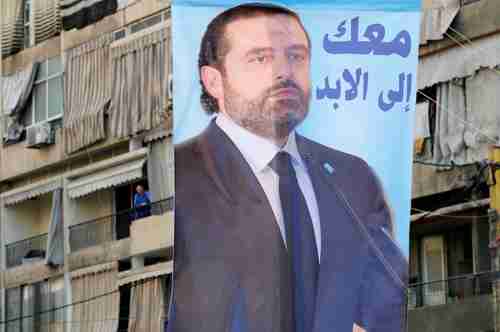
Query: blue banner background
[[358, 126]]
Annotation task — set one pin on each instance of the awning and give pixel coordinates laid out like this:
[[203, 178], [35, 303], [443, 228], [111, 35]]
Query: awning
[[131, 276], [436, 19], [36, 189], [107, 174], [458, 62], [141, 63], [16, 90]]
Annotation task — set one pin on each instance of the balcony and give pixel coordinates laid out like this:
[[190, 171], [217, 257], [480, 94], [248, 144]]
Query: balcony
[[462, 303], [111, 228], [26, 250]]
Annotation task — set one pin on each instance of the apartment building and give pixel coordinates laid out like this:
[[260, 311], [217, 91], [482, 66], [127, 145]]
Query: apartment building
[[85, 105], [453, 254]]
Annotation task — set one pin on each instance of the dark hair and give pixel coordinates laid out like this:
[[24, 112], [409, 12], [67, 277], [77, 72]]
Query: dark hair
[[214, 45]]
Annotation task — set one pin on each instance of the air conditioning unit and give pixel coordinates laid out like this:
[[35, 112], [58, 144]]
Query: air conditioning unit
[[39, 135]]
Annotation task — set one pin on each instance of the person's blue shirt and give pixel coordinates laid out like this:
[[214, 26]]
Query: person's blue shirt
[[142, 204]]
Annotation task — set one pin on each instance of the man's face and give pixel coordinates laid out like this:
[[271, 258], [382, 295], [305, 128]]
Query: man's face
[[265, 76], [140, 190]]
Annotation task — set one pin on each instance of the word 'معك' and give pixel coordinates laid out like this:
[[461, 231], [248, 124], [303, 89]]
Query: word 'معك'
[[375, 44]]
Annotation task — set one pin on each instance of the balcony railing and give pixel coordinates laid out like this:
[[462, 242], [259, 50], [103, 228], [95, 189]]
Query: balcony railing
[[25, 250], [451, 290], [112, 227]]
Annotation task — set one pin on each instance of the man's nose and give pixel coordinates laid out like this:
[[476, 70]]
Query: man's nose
[[282, 68]]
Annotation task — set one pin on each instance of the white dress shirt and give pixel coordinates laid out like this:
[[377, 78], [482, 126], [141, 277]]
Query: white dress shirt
[[258, 153]]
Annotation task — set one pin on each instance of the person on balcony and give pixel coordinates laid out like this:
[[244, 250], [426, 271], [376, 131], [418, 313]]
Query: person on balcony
[[142, 203]]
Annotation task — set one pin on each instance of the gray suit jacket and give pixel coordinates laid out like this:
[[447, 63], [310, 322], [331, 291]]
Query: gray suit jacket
[[230, 264]]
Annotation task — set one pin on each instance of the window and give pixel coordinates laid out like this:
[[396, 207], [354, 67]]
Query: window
[[47, 96], [27, 24], [120, 34], [140, 25], [28, 300], [146, 23], [434, 269]]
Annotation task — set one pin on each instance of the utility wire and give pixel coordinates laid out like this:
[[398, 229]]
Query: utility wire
[[464, 122], [469, 41], [458, 42]]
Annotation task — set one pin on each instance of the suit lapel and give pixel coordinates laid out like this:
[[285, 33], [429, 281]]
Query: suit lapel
[[232, 174], [337, 237], [252, 220]]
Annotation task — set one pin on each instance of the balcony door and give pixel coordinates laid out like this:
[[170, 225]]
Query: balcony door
[[124, 202], [434, 269]]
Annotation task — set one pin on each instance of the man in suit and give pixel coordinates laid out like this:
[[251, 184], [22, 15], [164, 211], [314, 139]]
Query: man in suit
[[274, 232]]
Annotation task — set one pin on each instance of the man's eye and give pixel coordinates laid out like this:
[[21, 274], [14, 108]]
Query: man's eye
[[297, 57], [260, 59]]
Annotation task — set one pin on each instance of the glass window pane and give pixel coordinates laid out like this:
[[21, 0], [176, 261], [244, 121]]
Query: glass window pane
[[55, 97], [29, 307], [40, 95], [27, 36], [57, 290], [54, 66], [13, 308], [42, 71], [27, 9], [120, 34], [43, 304]]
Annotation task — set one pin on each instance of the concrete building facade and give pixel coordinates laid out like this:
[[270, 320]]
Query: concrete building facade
[[453, 243], [78, 136]]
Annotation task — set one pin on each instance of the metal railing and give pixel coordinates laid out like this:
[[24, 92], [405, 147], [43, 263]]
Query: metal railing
[[34, 246], [451, 290], [113, 227]]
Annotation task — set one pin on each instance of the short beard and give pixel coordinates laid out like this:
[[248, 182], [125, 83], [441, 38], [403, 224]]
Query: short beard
[[273, 121]]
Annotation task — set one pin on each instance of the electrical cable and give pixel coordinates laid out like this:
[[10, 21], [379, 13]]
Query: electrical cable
[[464, 122]]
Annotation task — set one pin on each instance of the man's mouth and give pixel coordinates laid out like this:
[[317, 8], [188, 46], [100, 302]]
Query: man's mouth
[[285, 93]]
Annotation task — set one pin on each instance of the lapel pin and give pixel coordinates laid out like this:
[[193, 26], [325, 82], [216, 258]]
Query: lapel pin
[[329, 168]]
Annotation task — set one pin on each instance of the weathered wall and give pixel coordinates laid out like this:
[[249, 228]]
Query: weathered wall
[[30, 273], [152, 233], [472, 314], [427, 180], [105, 253], [28, 218], [474, 20], [16, 160], [93, 206]]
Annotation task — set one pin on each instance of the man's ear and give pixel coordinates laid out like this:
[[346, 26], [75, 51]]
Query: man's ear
[[212, 81]]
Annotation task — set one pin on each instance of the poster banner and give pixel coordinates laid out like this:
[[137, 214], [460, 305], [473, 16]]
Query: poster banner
[[293, 125]]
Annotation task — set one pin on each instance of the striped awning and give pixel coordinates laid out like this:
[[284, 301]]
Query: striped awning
[[107, 174], [11, 30], [47, 19], [46, 23], [32, 190]]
